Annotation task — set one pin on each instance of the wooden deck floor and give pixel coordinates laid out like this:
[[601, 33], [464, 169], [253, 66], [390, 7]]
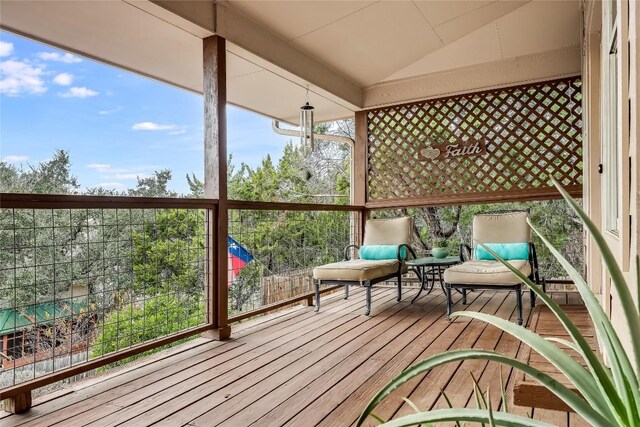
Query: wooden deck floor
[[300, 368]]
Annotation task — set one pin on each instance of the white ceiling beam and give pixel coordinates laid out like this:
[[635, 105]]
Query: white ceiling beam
[[530, 68], [196, 17], [252, 37]]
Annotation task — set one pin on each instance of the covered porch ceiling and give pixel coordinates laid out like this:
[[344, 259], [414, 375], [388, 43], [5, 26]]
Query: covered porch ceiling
[[352, 55]]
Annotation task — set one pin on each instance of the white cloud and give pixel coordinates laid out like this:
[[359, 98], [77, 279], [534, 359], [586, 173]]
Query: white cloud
[[152, 126], [130, 176], [63, 79], [112, 186], [67, 58], [15, 159], [6, 48], [111, 111], [101, 167], [178, 132], [19, 77], [79, 92]]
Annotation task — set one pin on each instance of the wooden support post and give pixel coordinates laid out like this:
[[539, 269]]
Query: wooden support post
[[308, 301], [215, 180], [359, 170], [18, 404]]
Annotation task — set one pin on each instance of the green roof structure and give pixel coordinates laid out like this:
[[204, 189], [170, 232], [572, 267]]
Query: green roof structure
[[13, 320]]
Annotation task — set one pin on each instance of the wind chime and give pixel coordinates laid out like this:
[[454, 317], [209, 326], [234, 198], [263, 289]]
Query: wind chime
[[306, 125], [306, 137]]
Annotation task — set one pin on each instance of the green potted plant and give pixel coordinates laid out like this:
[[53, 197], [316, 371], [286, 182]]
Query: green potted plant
[[439, 249]]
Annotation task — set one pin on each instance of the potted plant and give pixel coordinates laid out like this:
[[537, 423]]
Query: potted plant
[[439, 249]]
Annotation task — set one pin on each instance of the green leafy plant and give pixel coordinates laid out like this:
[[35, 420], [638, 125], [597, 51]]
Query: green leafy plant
[[608, 395], [440, 243], [137, 323]]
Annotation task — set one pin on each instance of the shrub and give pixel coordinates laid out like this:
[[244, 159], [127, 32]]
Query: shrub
[[139, 322]]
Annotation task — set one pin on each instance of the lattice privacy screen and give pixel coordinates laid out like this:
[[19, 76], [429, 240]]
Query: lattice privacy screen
[[497, 145]]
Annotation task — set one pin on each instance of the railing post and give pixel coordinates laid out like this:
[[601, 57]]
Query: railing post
[[215, 178], [359, 161], [18, 404], [359, 174]]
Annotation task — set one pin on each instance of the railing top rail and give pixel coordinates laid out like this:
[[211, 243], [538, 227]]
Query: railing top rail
[[521, 195], [77, 201], [73, 201], [278, 206]]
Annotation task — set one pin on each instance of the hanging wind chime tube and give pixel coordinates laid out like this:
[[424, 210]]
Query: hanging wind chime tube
[[306, 127]]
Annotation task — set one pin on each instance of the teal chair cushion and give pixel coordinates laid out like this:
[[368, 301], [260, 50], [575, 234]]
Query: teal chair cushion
[[381, 252], [507, 251]]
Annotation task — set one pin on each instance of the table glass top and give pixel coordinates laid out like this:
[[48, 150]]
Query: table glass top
[[435, 261]]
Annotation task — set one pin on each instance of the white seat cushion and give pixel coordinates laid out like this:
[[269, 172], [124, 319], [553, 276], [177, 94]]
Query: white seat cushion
[[481, 272], [356, 270]]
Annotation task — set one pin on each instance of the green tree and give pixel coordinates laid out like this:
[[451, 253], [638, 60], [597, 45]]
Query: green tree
[[283, 242], [135, 323], [44, 252], [169, 253], [48, 177], [156, 185]]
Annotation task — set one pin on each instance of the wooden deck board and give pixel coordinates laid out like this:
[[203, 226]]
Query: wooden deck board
[[331, 388], [59, 411], [269, 346], [347, 410], [455, 378], [301, 368], [461, 333], [277, 369], [529, 392], [361, 352]]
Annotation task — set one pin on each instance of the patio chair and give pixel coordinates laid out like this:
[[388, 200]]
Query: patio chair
[[509, 235], [385, 240]]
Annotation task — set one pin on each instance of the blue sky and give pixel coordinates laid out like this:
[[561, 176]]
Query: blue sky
[[115, 124]]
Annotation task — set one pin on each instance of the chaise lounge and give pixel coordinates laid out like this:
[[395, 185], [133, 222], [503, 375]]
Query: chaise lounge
[[509, 235], [381, 258]]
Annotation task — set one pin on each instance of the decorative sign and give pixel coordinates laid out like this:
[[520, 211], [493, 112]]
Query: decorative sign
[[450, 151]]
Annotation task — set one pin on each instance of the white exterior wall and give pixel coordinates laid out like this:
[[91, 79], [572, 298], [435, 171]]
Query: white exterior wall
[[596, 53]]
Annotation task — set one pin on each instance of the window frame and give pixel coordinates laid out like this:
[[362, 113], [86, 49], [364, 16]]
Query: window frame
[[611, 141]]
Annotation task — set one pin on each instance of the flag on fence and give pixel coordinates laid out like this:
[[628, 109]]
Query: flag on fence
[[238, 258]]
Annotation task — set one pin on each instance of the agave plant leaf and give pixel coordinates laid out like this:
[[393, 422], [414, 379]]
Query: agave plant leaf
[[565, 343], [624, 377], [571, 369], [471, 415], [638, 280], [377, 418], [492, 420], [413, 406], [503, 393], [446, 399], [600, 373], [410, 403], [480, 400], [577, 403], [610, 395], [615, 272], [478, 396]]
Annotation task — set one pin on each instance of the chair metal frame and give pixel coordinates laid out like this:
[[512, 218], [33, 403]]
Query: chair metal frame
[[467, 252], [368, 284]]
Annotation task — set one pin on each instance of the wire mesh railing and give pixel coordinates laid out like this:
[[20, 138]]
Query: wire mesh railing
[[272, 251], [78, 284]]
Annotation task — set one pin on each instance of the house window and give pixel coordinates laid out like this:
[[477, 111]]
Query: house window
[[610, 135]]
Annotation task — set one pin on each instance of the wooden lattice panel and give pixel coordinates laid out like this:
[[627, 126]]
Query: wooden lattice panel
[[496, 145]]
